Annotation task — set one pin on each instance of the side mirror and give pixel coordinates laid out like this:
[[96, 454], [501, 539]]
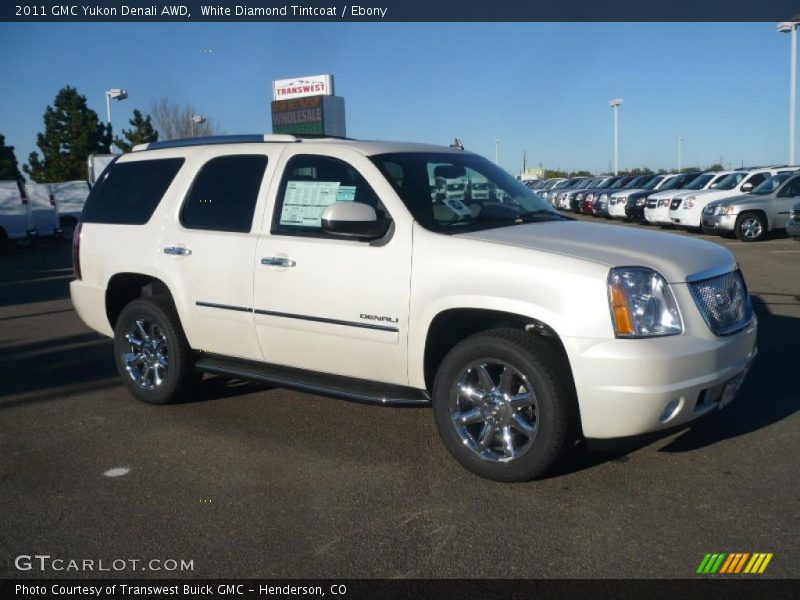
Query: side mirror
[[353, 219], [747, 187]]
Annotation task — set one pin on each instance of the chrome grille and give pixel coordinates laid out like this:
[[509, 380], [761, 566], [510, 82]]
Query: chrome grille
[[675, 204], [724, 303], [651, 204]]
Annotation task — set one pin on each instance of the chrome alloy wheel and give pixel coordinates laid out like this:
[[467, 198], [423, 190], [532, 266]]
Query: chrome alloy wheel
[[751, 228], [494, 410], [147, 358]]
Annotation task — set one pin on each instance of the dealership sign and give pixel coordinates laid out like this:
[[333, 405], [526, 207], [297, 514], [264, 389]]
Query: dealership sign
[[300, 87], [313, 115]]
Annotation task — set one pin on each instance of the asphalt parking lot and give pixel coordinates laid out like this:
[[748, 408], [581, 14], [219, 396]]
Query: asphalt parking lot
[[248, 481]]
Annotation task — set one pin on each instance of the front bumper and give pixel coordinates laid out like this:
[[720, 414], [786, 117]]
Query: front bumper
[[683, 217], [635, 212], [659, 215], [719, 222], [630, 387]]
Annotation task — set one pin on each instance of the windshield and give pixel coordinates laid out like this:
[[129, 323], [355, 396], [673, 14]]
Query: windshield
[[505, 203], [698, 183], [608, 183], [651, 185], [673, 184], [619, 183], [772, 184], [730, 181], [636, 182]]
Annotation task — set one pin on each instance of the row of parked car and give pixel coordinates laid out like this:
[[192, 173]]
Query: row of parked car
[[32, 210], [748, 203]]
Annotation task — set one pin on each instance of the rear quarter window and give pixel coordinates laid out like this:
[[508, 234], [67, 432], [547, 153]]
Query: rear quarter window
[[130, 192]]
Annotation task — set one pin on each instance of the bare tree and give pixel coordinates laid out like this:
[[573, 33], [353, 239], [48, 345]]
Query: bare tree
[[175, 121]]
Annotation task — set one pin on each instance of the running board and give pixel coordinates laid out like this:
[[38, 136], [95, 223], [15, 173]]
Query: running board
[[337, 386]]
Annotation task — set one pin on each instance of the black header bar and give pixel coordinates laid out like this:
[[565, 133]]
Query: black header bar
[[398, 10]]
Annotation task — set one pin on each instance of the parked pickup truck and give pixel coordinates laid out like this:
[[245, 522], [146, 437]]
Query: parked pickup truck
[[326, 265]]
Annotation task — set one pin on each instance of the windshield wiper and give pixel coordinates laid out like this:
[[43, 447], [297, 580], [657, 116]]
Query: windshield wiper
[[530, 215]]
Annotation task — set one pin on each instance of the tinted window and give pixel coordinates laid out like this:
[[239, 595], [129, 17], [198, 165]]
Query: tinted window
[[224, 193], [757, 179], [312, 183], [130, 191], [791, 189]]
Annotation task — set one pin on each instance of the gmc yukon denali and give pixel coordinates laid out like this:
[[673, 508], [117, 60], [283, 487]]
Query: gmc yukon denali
[[327, 265]]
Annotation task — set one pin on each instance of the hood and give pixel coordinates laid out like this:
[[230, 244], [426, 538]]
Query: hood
[[675, 257], [742, 199], [660, 195], [712, 194]]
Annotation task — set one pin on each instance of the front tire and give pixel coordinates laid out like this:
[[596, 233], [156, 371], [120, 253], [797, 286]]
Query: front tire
[[504, 404], [750, 227], [151, 352]]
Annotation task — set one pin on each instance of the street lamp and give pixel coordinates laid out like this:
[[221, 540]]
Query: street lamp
[[681, 139], [615, 104], [791, 27], [115, 94], [496, 150], [197, 119]]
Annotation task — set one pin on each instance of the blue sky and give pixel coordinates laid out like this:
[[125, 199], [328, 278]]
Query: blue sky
[[539, 87]]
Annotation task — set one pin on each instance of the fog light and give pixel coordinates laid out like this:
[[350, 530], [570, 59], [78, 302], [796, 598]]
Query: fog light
[[672, 408]]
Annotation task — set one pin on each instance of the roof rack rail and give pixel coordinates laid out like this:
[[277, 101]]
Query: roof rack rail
[[218, 139]]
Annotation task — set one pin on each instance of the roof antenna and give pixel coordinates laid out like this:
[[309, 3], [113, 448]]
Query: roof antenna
[[457, 145]]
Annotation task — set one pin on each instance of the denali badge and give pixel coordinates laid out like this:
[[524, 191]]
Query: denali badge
[[378, 318]]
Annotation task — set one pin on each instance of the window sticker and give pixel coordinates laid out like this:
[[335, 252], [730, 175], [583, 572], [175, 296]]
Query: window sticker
[[458, 207], [346, 193], [305, 201]]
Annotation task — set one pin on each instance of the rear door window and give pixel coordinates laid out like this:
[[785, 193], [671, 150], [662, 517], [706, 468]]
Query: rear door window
[[130, 192], [223, 195]]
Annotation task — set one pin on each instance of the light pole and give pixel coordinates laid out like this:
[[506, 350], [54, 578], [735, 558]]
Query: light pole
[[116, 94], [681, 139], [615, 104], [791, 27], [197, 119], [496, 151]]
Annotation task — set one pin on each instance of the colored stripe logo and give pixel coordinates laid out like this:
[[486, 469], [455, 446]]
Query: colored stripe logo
[[734, 562]]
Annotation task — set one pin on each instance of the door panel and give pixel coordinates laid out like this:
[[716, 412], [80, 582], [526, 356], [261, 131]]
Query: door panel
[[333, 305], [210, 269]]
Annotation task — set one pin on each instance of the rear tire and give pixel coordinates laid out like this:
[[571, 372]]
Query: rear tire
[[750, 227], [504, 404], [151, 352]]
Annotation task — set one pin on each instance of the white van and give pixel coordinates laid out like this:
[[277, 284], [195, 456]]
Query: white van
[[16, 219], [70, 198], [43, 207]]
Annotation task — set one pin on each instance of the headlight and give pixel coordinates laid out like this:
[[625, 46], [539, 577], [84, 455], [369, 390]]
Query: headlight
[[590, 197], [726, 210], [689, 202], [580, 197], [603, 197], [642, 304], [642, 201]]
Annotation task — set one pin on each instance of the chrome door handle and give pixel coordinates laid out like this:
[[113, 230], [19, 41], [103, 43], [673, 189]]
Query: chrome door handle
[[277, 261], [177, 251]]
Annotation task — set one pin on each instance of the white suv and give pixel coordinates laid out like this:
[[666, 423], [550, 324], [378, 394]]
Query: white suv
[[688, 213], [326, 265]]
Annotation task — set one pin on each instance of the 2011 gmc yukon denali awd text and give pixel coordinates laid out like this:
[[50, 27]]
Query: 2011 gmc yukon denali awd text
[[332, 266]]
